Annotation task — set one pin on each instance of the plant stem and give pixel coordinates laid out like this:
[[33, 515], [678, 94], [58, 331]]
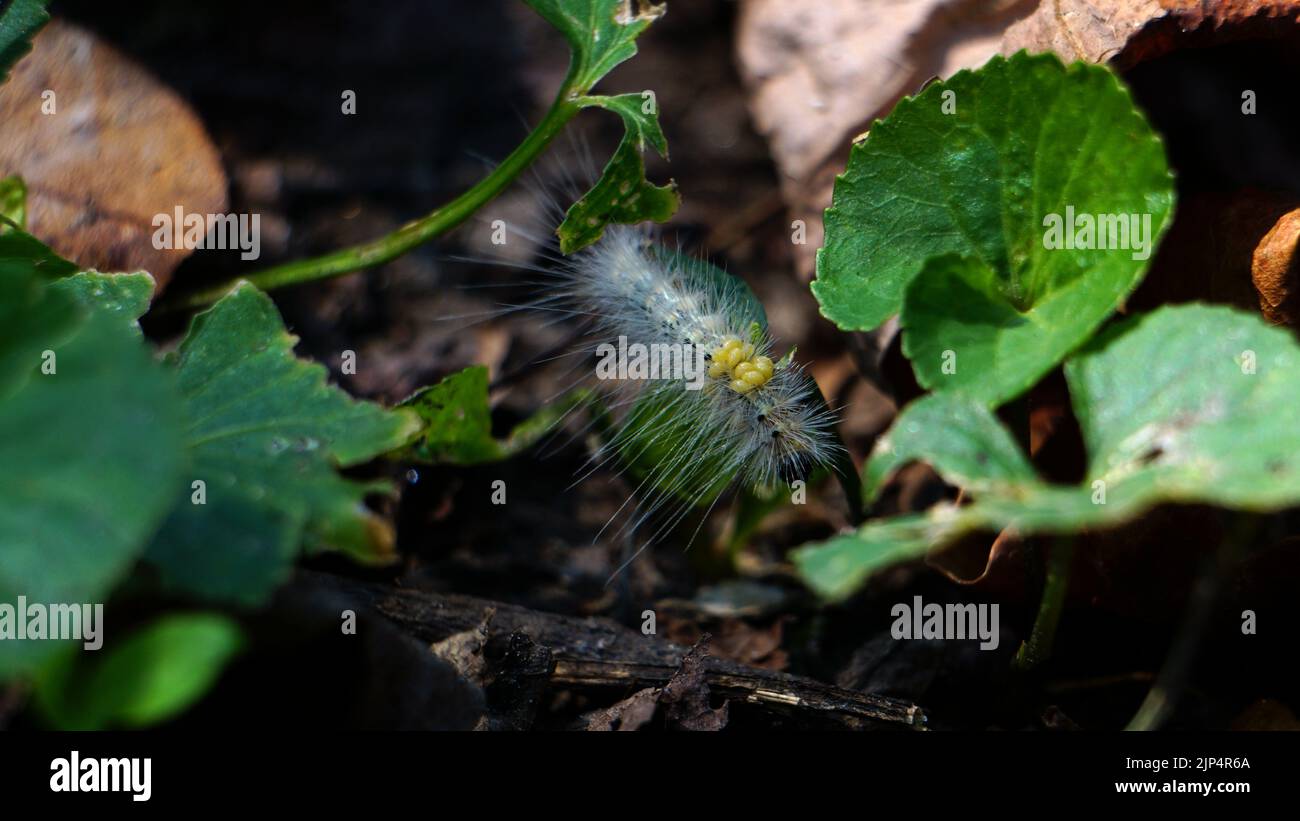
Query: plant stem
[[1039, 646], [1163, 695], [413, 234], [1172, 681]]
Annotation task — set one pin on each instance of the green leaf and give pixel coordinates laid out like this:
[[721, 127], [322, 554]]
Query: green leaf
[[1023, 139], [265, 434], [27, 251], [838, 567], [978, 453], [150, 676], [13, 204], [622, 194], [235, 548], [32, 320], [19, 23], [1171, 412], [457, 423], [90, 450], [640, 119], [601, 33], [125, 296], [1168, 407]]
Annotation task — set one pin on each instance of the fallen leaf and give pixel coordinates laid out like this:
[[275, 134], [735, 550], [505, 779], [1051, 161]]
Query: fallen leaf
[[268, 457], [1276, 272], [632, 713], [686, 695], [734, 639], [118, 149], [1127, 32]]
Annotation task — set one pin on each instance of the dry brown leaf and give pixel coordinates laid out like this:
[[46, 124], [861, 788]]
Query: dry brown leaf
[[1127, 32], [733, 639], [119, 149], [685, 699], [1276, 271], [973, 561], [686, 695], [630, 714]]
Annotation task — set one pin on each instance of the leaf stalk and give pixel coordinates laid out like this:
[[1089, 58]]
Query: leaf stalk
[[1039, 646]]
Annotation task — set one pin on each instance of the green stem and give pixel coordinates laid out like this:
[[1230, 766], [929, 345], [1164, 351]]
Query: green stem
[[748, 512], [1172, 681], [1039, 646], [413, 234]]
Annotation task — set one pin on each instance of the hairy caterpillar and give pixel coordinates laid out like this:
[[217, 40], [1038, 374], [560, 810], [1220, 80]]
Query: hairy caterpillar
[[753, 419]]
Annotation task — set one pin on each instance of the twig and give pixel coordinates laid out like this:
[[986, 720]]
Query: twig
[[599, 655]]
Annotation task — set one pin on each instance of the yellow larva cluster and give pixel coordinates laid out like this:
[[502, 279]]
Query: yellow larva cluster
[[735, 359]]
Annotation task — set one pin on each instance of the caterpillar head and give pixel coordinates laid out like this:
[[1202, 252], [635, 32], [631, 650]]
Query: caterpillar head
[[791, 428]]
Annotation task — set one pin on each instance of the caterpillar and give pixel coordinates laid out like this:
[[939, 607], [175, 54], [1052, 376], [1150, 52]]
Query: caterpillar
[[750, 418]]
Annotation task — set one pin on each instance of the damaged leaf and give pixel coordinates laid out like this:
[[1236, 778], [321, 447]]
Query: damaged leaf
[[456, 422], [601, 35], [686, 695], [622, 194], [266, 434]]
